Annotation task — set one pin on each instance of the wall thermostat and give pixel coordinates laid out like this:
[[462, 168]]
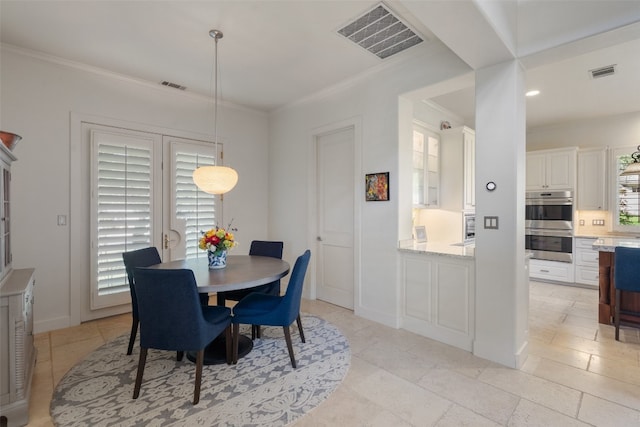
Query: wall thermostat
[[491, 185]]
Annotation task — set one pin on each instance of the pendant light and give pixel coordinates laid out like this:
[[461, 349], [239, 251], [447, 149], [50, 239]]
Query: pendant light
[[215, 179], [633, 168]]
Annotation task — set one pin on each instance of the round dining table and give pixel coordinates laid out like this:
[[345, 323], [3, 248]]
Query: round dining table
[[241, 272]]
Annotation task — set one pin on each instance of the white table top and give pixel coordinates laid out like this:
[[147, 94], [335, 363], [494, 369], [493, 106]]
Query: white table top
[[434, 248], [609, 244], [241, 272]]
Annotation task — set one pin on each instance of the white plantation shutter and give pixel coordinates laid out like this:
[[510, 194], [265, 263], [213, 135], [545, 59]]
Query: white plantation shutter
[[122, 207], [192, 205]]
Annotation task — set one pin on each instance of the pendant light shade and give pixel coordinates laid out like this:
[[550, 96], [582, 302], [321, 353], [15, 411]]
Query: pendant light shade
[[215, 179], [633, 168]]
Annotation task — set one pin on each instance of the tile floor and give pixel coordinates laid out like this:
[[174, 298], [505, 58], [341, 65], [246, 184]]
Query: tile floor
[[576, 373]]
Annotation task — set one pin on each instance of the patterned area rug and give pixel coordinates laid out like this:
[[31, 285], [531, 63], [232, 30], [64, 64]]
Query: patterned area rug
[[261, 390]]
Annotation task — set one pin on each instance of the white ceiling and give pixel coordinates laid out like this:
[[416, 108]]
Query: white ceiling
[[276, 52]]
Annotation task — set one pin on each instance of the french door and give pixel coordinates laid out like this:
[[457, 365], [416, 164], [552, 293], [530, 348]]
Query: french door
[[142, 194]]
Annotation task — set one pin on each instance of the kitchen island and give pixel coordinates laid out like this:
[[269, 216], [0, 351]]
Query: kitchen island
[[438, 291], [606, 260]]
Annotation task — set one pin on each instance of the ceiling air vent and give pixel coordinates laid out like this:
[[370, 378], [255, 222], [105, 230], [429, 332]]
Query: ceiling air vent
[[380, 32], [173, 85], [609, 70]]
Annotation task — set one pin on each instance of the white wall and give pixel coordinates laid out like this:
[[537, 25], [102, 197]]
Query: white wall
[[373, 101], [613, 131], [38, 97]]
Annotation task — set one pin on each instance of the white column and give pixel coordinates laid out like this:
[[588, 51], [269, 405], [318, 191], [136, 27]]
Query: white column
[[502, 301]]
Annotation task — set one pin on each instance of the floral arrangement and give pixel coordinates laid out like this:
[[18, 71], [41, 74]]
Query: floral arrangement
[[217, 240]]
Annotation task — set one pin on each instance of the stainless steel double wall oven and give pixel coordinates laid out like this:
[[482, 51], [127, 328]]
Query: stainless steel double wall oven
[[549, 225]]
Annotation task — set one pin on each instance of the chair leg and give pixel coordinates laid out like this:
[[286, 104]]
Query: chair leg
[[229, 344], [220, 300], [616, 315], [253, 332], [141, 361], [179, 356], [132, 337], [196, 389], [287, 337], [236, 338], [258, 331], [299, 321]]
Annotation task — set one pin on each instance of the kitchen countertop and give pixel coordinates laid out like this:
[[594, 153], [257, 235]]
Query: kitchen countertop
[[608, 244], [445, 249]]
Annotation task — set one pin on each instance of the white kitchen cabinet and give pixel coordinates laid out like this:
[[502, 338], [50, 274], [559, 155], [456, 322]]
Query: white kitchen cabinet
[[457, 177], [586, 262], [426, 167], [591, 191], [551, 271], [551, 169], [438, 298]]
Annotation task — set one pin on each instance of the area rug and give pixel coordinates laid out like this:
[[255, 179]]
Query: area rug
[[261, 390]]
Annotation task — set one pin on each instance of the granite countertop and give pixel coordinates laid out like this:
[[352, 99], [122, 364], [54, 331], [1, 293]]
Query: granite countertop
[[445, 249], [608, 244]]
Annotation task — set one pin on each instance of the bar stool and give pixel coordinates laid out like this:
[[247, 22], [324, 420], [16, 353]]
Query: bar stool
[[626, 278]]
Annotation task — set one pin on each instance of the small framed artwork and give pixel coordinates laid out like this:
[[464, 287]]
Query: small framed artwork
[[420, 233], [377, 187]]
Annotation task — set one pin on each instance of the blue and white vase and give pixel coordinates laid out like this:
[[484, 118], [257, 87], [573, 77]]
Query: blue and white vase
[[218, 260]]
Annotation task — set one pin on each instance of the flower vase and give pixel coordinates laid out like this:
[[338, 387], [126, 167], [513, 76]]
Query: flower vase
[[217, 260]]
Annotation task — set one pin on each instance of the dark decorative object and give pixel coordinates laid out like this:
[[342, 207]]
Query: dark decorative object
[[445, 125], [377, 187]]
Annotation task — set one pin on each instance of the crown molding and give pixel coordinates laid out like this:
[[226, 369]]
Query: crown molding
[[66, 63]]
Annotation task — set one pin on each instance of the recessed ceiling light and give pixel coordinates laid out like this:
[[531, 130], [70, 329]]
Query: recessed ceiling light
[[532, 93]]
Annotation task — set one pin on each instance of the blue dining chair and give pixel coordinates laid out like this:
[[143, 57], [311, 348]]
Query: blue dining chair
[[172, 318], [145, 257], [271, 249], [272, 310], [139, 258], [626, 271]]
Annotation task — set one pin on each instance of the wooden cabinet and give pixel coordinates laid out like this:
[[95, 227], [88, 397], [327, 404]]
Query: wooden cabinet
[[586, 262], [591, 191], [551, 169], [17, 353], [6, 157], [457, 177], [629, 301], [438, 298]]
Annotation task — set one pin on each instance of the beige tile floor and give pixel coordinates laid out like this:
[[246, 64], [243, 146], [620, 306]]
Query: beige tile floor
[[576, 373]]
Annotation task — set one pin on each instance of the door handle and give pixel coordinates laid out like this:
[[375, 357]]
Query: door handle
[[166, 241]]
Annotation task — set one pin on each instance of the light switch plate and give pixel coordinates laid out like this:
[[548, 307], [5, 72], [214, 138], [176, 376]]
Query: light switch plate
[[491, 222]]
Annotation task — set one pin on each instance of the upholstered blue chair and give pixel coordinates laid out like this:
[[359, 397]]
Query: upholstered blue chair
[[133, 259], [145, 257], [172, 318], [626, 272], [271, 310], [271, 249]]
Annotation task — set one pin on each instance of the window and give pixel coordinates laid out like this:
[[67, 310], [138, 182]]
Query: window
[[626, 212], [426, 167]]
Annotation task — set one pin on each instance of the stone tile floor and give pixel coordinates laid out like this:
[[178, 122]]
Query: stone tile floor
[[576, 373]]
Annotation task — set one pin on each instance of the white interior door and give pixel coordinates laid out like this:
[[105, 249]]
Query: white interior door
[[335, 192]]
